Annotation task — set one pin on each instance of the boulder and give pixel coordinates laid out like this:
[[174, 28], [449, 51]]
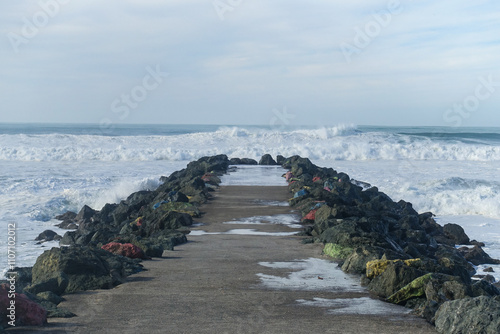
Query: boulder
[[78, 268], [442, 288], [27, 312], [323, 218], [469, 316], [357, 232], [169, 220], [310, 216], [23, 277], [68, 215], [484, 288], [50, 297], [415, 289], [453, 263], [378, 267], [267, 160], [244, 161], [67, 225], [131, 206], [476, 255], [56, 283], [85, 213], [193, 187], [56, 312], [356, 262], [280, 160], [151, 246], [395, 276], [216, 163], [336, 251], [456, 233], [48, 235], [127, 249], [182, 207]]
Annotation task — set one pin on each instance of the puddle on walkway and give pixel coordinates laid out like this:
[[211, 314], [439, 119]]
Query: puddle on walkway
[[363, 306], [289, 220], [271, 203], [254, 175], [310, 275], [322, 275], [243, 231]]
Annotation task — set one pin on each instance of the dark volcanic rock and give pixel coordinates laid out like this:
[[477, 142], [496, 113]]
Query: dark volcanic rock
[[71, 269], [131, 205], [453, 263], [244, 161], [477, 256], [68, 215], [48, 235], [456, 233], [85, 214], [356, 262], [469, 315], [268, 160], [27, 312], [144, 224], [484, 288], [171, 220], [50, 297], [127, 249], [149, 219], [23, 278], [280, 160], [350, 216], [395, 277], [67, 225]]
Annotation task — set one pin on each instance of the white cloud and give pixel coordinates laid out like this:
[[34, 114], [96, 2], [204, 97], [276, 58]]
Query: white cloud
[[264, 54]]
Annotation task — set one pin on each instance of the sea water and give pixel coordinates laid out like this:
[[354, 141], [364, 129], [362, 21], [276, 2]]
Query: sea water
[[46, 170]]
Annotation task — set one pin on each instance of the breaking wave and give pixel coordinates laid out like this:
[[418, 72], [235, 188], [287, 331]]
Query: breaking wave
[[342, 142]]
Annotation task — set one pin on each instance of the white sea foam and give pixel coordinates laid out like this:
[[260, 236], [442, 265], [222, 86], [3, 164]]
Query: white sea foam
[[362, 305], [333, 143], [33, 193], [43, 175], [442, 187], [254, 175], [482, 229], [289, 220], [310, 275], [243, 231]]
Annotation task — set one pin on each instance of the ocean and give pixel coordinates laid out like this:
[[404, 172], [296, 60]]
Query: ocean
[[47, 169]]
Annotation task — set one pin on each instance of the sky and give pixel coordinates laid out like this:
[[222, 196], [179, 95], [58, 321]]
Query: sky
[[317, 62]]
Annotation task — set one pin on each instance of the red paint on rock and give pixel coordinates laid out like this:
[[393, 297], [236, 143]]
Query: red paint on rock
[[128, 250], [27, 312], [311, 215]]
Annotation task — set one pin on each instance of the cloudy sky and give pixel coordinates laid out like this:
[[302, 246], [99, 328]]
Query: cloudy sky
[[325, 62]]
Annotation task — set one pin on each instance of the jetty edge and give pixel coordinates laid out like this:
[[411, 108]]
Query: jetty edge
[[400, 255]]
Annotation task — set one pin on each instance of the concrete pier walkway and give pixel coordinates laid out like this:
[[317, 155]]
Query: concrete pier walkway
[[237, 282]]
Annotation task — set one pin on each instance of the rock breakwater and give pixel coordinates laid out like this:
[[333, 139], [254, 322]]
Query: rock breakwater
[[401, 255]]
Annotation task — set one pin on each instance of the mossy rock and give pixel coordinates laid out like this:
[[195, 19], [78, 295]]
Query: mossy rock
[[414, 289], [337, 251], [181, 207], [393, 278], [377, 267]]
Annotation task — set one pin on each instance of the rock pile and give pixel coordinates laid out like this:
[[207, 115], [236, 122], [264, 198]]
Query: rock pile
[[107, 245], [403, 256]]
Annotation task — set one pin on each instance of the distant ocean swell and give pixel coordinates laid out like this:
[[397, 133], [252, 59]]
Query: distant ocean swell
[[335, 143]]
